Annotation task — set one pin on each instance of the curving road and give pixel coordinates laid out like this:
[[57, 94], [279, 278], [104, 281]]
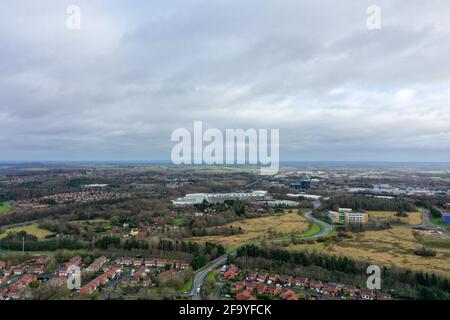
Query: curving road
[[426, 220], [200, 276], [325, 228]]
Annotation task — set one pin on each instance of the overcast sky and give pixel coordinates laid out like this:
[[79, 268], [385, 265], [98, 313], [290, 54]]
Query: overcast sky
[[137, 70]]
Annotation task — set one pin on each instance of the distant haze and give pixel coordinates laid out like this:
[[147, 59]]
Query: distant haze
[[137, 70]]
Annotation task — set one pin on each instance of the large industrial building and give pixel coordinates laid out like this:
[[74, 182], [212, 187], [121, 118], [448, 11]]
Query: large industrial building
[[190, 199], [282, 203], [305, 196], [197, 198]]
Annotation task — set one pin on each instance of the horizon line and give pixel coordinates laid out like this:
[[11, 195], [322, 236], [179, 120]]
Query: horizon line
[[225, 164]]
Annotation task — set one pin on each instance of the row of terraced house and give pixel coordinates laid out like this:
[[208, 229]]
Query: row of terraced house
[[266, 283], [102, 279], [27, 272], [153, 262]]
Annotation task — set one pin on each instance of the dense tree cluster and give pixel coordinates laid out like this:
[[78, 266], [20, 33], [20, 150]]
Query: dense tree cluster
[[15, 241], [362, 202]]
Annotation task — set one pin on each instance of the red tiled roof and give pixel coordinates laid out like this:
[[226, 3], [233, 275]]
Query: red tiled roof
[[245, 295]]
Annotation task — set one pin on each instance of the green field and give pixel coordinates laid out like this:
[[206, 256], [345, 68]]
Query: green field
[[317, 246], [5, 207], [439, 222], [178, 220], [315, 229]]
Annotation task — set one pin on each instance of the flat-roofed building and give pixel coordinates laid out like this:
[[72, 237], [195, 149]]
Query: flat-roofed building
[[302, 185], [190, 199], [282, 203], [348, 217], [356, 217], [198, 198]]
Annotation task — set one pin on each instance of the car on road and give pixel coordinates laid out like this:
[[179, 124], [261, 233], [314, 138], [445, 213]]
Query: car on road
[[198, 289]]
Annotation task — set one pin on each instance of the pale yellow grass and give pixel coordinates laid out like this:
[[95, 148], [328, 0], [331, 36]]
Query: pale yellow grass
[[391, 247], [381, 214], [32, 229], [260, 228], [413, 217]]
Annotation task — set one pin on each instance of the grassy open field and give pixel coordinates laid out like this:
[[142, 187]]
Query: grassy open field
[[381, 214], [32, 229], [433, 241], [413, 217], [318, 246], [5, 207], [393, 247], [260, 228]]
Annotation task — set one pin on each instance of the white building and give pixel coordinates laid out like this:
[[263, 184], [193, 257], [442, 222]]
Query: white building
[[197, 198], [282, 203], [190, 199], [306, 196]]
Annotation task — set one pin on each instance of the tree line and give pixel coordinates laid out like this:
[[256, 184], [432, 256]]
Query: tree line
[[361, 202]]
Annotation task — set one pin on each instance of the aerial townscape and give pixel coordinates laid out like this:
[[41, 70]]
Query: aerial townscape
[[225, 159], [158, 231]]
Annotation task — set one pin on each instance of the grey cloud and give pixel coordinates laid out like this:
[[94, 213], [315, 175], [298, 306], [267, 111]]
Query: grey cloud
[[135, 72]]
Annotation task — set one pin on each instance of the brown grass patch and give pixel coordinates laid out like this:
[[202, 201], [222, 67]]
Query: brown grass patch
[[392, 247], [413, 217], [260, 228]]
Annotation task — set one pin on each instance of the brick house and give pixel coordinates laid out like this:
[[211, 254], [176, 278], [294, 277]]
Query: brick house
[[97, 264]]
